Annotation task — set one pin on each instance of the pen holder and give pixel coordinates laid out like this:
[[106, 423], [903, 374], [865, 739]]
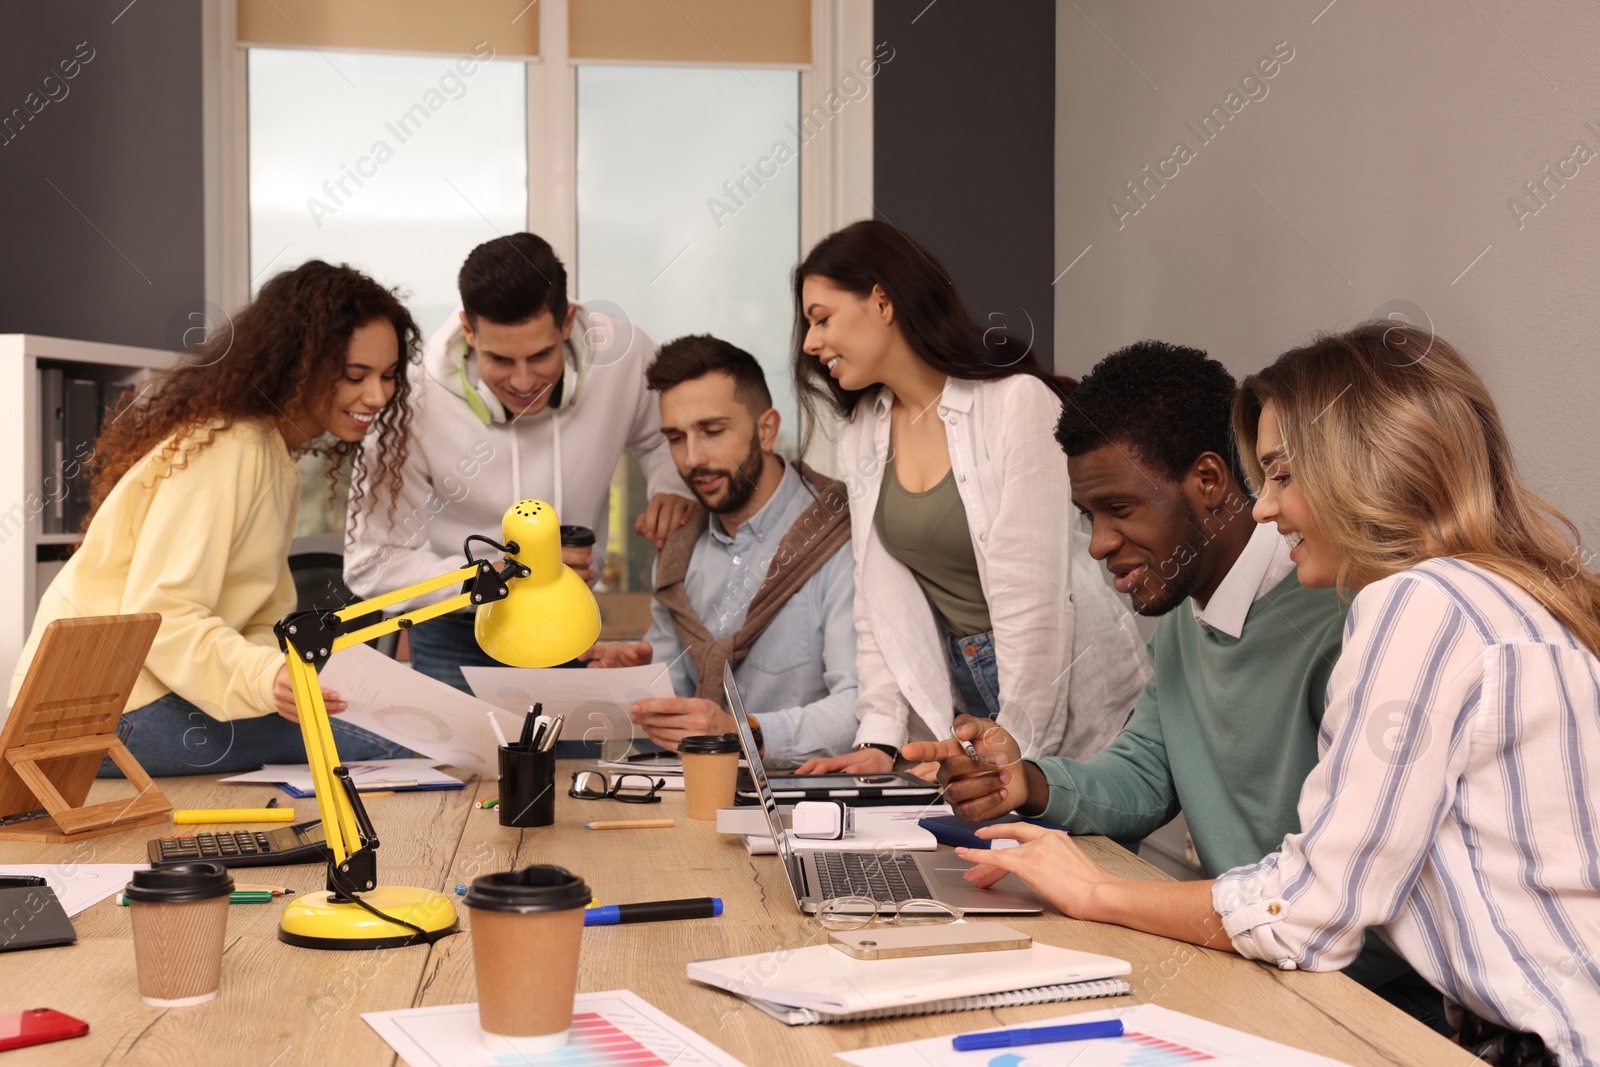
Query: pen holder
[[527, 787]]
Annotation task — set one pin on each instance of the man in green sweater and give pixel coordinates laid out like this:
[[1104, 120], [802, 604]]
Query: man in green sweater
[[1226, 730]]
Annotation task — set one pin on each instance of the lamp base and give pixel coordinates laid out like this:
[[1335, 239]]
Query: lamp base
[[317, 921]]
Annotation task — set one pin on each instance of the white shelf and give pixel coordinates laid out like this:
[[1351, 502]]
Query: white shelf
[[20, 472]]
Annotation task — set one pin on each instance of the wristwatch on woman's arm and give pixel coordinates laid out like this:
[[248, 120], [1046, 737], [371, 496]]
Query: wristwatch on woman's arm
[[888, 750]]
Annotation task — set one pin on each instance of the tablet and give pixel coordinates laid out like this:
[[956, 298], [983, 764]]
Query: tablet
[[859, 790]]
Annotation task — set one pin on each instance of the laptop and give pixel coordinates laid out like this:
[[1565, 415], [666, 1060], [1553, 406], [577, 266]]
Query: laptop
[[882, 874]]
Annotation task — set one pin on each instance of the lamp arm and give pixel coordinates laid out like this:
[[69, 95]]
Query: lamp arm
[[307, 639]]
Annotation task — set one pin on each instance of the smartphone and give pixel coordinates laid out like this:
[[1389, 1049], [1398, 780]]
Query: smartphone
[[894, 942], [37, 1026]]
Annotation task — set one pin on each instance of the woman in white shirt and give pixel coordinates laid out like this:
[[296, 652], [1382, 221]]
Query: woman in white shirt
[[972, 579], [1452, 808]]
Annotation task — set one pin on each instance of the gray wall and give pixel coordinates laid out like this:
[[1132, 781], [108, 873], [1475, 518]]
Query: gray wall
[[963, 132], [101, 190], [1378, 168]]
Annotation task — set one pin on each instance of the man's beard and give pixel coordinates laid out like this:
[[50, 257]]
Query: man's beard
[[1170, 592], [738, 485]]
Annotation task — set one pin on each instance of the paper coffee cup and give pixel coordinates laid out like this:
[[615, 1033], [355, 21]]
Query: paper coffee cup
[[180, 919], [710, 773], [527, 928]]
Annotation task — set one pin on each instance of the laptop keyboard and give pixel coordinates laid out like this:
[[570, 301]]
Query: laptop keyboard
[[882, 877]]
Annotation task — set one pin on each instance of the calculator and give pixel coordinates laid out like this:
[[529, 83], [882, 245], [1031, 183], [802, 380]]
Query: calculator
[[301, 842]]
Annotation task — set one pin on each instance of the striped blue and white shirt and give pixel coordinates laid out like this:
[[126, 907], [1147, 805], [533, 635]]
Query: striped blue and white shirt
[[1453, 808]]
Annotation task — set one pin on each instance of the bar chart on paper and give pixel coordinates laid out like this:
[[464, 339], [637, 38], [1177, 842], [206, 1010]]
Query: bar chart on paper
[[1155, 1037], [595, 1041], [613, 1029]]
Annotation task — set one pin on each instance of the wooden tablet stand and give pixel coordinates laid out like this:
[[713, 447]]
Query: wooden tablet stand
[[64, 723]]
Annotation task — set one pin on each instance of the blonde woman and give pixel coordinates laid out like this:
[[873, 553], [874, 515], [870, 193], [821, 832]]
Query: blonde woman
[[1452, 808]]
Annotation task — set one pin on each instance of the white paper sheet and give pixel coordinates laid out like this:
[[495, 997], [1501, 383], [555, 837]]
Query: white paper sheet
[[79, 885], [594, 700], [1154, 1035], [617, 1027], [409, 708], [367, 774]]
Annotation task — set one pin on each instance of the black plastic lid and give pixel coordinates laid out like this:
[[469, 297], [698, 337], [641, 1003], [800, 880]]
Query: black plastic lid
[[708, 745], [576, 536], [179, 883], [532, 889]]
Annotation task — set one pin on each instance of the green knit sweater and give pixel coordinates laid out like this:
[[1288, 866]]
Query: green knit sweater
[[1226, 731]]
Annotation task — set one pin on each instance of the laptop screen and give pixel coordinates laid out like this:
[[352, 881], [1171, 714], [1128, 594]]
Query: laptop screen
[[758, 774]]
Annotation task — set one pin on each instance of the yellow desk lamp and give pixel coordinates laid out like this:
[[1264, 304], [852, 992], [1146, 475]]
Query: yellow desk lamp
[[534, 612]]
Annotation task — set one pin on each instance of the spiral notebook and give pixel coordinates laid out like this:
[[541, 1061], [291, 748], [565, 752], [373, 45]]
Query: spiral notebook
[[823, 979], [1049, 994]]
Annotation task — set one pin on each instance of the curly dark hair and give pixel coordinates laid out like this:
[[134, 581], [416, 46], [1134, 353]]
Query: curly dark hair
[[931, 313], [1165, 403], [280, 354]]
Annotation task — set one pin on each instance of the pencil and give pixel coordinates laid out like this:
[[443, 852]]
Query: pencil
[[630, 824], [204, 815], [275, 890], [238, 896]]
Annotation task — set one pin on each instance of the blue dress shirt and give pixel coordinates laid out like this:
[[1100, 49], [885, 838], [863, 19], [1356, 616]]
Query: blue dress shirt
[[799, 678]]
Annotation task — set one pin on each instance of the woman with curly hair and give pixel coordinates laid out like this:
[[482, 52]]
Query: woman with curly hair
[[193, 510]]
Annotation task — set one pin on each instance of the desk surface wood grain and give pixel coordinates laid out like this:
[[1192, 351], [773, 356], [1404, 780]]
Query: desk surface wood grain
[[282, 1006]]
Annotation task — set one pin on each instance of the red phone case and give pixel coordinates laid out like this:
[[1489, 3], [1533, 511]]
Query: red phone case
[[37, 1026]]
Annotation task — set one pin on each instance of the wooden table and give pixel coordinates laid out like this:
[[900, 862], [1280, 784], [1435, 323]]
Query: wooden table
[[283, 1006]]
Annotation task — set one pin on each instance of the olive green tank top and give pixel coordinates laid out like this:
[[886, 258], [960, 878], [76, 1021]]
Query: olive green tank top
[[928, 533]]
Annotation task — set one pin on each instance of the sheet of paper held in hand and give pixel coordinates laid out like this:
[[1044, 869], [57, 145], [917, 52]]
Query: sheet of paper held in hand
[[595, 700], [411, 709]]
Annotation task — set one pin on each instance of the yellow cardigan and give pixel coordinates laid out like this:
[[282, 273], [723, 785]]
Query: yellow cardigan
[[207, 547]]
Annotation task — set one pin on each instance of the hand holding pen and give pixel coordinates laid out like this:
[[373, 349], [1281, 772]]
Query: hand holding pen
[[982, 771]]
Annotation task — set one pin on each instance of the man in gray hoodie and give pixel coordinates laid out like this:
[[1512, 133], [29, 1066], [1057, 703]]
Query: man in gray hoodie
[[522, 395]]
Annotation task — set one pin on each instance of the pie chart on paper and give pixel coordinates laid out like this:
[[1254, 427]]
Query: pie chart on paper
[[1129, 1050]]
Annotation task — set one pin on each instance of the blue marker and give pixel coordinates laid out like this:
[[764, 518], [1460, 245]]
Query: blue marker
[[653, 911], [1038, 1035]]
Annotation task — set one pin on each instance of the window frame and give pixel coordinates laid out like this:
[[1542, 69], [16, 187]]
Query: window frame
[[836, 167]]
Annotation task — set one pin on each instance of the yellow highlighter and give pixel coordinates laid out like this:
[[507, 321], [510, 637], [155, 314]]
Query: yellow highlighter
[[198, 815]]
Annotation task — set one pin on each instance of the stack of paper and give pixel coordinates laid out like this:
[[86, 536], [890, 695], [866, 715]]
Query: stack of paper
[[368, 775]]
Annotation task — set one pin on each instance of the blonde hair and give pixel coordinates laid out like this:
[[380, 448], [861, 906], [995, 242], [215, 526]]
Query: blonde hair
[[1397, 446]]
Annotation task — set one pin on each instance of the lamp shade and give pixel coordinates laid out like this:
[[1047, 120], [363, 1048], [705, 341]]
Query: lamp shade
[[551, 614]]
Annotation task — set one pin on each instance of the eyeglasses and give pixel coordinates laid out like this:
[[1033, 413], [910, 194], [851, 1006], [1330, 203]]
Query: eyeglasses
[[628, 788], [853, 913]]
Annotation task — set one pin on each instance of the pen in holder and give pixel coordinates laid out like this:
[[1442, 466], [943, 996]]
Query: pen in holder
[[527, 786]]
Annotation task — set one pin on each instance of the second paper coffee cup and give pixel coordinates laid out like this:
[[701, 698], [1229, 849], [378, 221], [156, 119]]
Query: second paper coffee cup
[[527, 928], [180, 917], [710, 773]]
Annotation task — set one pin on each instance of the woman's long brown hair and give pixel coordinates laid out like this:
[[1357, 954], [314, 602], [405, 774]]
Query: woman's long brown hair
[[929, 310], [278, 357]]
